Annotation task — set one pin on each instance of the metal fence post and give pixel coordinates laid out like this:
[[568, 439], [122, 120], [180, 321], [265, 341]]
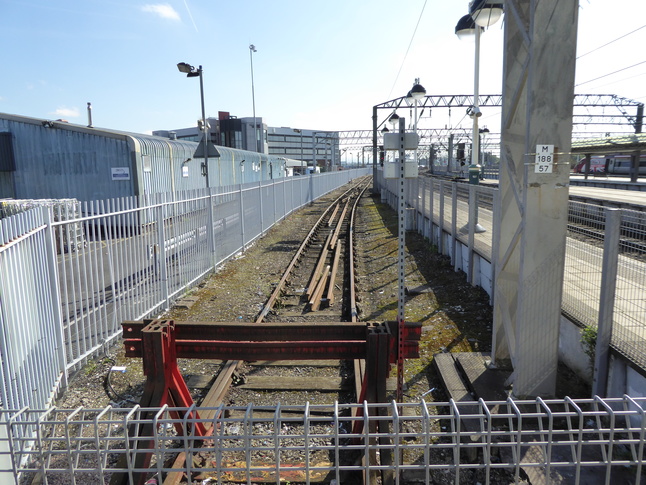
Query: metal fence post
[[242, 228], [431, 208], [53, 278], [454, 224], [260, 208], [440, 239], [285, 196], [423, 211], [417, 204], [161, 238], [273, 190], [473, 218], [606, 300], [210, 238]]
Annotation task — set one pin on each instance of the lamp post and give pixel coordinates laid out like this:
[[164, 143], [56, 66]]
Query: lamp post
[[297, 130], [482, 13], [467, 27], [252, 49], [482, 133], [417, 92], [190, 71]]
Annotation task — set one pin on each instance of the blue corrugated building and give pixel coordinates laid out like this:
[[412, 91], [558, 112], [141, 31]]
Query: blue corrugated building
[[45, 159]]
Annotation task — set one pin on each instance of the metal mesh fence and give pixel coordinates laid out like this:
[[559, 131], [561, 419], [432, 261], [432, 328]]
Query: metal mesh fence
[[583, 258], [582, 284], [544, 441], [629, 322], [448, 205], [71, 273]]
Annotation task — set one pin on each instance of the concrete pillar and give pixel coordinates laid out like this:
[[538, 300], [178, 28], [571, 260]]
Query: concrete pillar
[[538, 91]]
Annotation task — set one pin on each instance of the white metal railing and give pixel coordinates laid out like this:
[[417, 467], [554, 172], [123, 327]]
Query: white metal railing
[[69, 278], [585, 441], [444, 213]]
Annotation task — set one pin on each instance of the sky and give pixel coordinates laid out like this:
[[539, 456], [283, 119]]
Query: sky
[[318, 65]]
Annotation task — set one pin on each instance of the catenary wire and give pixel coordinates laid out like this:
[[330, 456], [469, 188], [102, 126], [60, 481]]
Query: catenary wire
[[408, 49], [608, 43], [610, 73]]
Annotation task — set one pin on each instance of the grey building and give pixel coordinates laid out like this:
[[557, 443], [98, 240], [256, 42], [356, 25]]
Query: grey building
[[314, 148], [225, 130], [44, 159]]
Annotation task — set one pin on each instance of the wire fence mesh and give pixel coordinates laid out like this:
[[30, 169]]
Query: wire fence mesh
[[586, 441]]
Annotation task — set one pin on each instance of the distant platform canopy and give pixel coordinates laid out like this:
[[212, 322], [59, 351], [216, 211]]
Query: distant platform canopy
[[608, 145]]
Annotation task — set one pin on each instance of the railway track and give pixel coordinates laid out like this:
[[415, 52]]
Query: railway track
[[317, 287], [304, 344]]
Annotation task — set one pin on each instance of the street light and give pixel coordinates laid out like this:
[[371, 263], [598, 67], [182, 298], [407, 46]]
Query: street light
[[394, 119], [482, 13], [252, 49], [417, 92], [190, 71], [297, 130], [482, 132], [485, 13]]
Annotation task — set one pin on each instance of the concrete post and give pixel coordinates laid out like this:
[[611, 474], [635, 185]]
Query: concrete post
[[538, 92]]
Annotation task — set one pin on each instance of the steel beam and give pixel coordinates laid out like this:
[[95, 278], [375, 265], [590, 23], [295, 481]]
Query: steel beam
[[271, 341]]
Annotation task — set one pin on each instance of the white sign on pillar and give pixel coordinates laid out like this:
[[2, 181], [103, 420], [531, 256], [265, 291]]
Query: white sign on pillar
[[544, 158]]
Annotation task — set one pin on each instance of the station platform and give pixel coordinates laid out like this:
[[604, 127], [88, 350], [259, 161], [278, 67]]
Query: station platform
[[613, 194]]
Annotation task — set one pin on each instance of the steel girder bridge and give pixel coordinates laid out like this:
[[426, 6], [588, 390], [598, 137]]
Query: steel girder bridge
[[612, 114]]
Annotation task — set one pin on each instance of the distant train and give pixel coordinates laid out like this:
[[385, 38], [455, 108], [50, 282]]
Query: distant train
[[611, 164]]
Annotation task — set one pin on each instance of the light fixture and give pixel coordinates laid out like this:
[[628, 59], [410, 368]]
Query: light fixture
[[474, 111], [486, 12], [409, 99], [394, 119], [187, 69], [417, 91], [466, 27], [385, 130]]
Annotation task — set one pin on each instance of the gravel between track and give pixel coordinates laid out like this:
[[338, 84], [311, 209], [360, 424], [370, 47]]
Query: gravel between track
[[456, 317]]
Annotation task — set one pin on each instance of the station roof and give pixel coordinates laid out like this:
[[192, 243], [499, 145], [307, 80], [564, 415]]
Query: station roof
[[619, 144]]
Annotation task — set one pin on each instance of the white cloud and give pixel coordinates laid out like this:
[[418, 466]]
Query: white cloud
[[67, 112], [164, 10]]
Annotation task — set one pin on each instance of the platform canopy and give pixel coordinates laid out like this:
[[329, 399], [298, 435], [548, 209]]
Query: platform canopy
[[620, 144]]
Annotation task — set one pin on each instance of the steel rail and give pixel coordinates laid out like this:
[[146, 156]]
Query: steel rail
[[351, 261], [220, 387], [281, 284]]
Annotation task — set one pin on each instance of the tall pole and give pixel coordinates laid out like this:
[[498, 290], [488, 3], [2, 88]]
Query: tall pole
[[374, 150], [302, 161], [252, 49], [475, 152], [205, 130]]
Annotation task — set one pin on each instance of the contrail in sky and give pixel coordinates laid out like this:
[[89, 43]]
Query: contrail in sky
[[191, 15]]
